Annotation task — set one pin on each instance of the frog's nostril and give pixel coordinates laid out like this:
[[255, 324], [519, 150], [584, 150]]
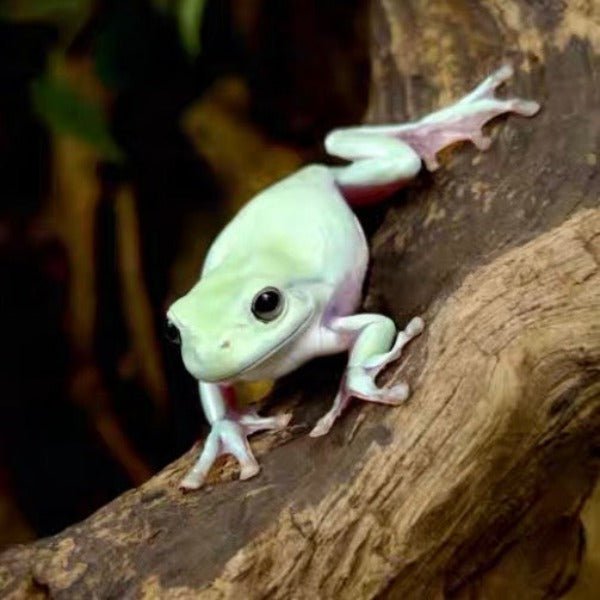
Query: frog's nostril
[[225, 344], [172, 332]]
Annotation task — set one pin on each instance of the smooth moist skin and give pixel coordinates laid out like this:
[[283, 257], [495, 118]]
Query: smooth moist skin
[[282, 282]]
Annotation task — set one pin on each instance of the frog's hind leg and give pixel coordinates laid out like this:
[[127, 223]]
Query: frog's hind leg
[[380, 164], [380, 167], [372, 348]]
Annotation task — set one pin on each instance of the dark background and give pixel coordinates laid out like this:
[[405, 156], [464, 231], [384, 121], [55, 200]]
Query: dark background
[[125, 144]]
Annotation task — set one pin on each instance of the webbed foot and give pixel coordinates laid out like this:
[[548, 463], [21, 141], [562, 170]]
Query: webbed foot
[[359, 380], [464, 119], [229, 436]]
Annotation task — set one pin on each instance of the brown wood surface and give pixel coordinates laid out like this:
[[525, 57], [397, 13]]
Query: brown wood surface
[[473, 488]]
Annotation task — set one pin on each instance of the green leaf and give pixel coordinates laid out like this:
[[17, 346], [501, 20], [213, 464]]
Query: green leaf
[[189, 20], [65, 111]]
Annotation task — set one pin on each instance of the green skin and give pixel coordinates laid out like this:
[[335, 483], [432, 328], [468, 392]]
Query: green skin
[[299, 240]]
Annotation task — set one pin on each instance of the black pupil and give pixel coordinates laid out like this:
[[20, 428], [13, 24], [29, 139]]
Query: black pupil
[[267, 302]]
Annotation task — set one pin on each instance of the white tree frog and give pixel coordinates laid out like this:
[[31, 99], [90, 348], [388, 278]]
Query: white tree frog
[[282, 281]]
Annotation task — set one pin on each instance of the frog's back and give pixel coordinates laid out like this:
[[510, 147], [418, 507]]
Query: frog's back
[[303, 217]]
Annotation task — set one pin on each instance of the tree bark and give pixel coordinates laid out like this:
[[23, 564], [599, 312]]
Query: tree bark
[[474, 487]]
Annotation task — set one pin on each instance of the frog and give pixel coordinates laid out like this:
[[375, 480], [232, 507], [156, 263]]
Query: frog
[[282, 282]]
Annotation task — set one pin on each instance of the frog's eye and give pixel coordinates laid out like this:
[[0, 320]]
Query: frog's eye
[[267, 304], [172, 332]]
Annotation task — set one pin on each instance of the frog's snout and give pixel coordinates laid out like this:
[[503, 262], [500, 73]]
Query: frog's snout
[[208, 362]]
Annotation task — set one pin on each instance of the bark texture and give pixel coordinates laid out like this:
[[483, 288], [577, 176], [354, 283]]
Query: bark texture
[[472, 489]]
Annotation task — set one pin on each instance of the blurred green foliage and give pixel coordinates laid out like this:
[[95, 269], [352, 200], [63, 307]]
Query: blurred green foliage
[[70, 15], [123, 48], [64, 111], [189, 19]]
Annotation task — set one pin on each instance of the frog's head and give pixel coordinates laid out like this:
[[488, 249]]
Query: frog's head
[[229, 323]]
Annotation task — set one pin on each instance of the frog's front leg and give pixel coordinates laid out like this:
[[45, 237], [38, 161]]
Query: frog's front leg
[[228, 434], [372, 347], [386, 157]]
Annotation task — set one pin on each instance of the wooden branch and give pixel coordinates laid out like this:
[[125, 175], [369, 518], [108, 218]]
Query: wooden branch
[[498, 445], [474, 487]]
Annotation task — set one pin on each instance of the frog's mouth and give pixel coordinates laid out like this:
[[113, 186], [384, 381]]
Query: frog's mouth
[[259, 361], [255, 362]]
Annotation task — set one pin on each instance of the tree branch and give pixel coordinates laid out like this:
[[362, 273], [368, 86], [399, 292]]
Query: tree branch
[[474, 487]]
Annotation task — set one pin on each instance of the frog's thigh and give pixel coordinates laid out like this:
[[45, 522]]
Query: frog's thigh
[[372, 333], [378, 160], [376, 344]]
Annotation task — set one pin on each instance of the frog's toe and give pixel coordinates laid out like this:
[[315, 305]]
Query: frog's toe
[[527, 108], [323, 426], [362, 385], [394, 396], [415, 327], [253, 422], [501, 75], [249, 470], [190, 482]]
